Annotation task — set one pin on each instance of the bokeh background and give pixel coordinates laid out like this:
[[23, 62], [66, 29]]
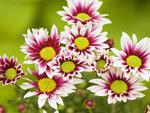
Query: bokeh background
[[16, 16]]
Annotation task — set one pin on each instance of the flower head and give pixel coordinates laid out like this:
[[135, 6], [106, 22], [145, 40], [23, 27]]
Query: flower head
[[89, 103], [42, 48], [134, 57], [2, 109], [101, 62], [84, 39], [69, 65], [83, 11], [48, 89], [21, 107], [10, 71], [117, 86], [110, 42]]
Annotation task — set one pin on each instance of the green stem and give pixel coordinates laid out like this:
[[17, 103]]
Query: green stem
[[90, 111], [113, 108]]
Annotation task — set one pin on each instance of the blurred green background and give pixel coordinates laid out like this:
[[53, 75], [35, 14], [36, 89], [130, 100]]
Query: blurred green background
[[16, 16]]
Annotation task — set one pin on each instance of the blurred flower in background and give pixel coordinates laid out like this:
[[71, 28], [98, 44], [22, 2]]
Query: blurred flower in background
[[2, 109]]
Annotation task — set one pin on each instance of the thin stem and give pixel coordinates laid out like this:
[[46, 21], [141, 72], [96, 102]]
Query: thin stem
[[90, 111], [113, 108]]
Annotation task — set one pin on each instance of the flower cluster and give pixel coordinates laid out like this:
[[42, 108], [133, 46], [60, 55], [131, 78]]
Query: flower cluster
[[84, 47], [61, 58]]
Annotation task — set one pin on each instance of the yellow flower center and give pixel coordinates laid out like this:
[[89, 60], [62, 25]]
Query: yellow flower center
[[101, 63], [119, 86], [134, 61], [46, 85], [68, 66], [47, 53], [10, 73], [81, 43], [83, 16]]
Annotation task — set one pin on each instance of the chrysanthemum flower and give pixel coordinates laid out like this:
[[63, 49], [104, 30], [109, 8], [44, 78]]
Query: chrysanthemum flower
[[69, 65], [101, 62], [10, 71], [42, 48], [84, 39], [117, 86], [134, 57], [83, 11], [48, 89]]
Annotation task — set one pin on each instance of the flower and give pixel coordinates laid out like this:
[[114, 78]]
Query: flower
[[69, 65], [110, 42], [101, 62], [48, 89], [42, 48], [148, 109], [83, 11], [134, 57], [89, 103], [10, 71], [117, 86], [21, 107], [84, 39], [2, 109]]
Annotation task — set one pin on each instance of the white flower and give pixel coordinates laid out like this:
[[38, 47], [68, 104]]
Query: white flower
[[41, 48], [48, 89], [83, 11], [117, 86], [69, 65], [134, 57], [84, 39]]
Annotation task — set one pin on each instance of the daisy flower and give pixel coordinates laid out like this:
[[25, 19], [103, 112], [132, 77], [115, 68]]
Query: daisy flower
[[41, 48], [10, 71], [134, 57], [101, 62], [117, 86], [83, 11], [48, 89], [69, 65], [84, 39]]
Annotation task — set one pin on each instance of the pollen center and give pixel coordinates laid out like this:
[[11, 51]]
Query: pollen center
[[101, 63], [68, 66], [134, 61], [83, 16], [81, 43], [46, 85], [47, 53], [10, 73], [119, 86]]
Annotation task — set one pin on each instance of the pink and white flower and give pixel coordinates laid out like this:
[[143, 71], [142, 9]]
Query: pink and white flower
[[69, 65], [48, 89], [10, 71], [83, 11], [84, 39], [42, 48], [117, 86], [101, 62], [134, 57]]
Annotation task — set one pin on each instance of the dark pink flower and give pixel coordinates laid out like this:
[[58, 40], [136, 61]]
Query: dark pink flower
[[83, 11], [10, 71], [41, 48]]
